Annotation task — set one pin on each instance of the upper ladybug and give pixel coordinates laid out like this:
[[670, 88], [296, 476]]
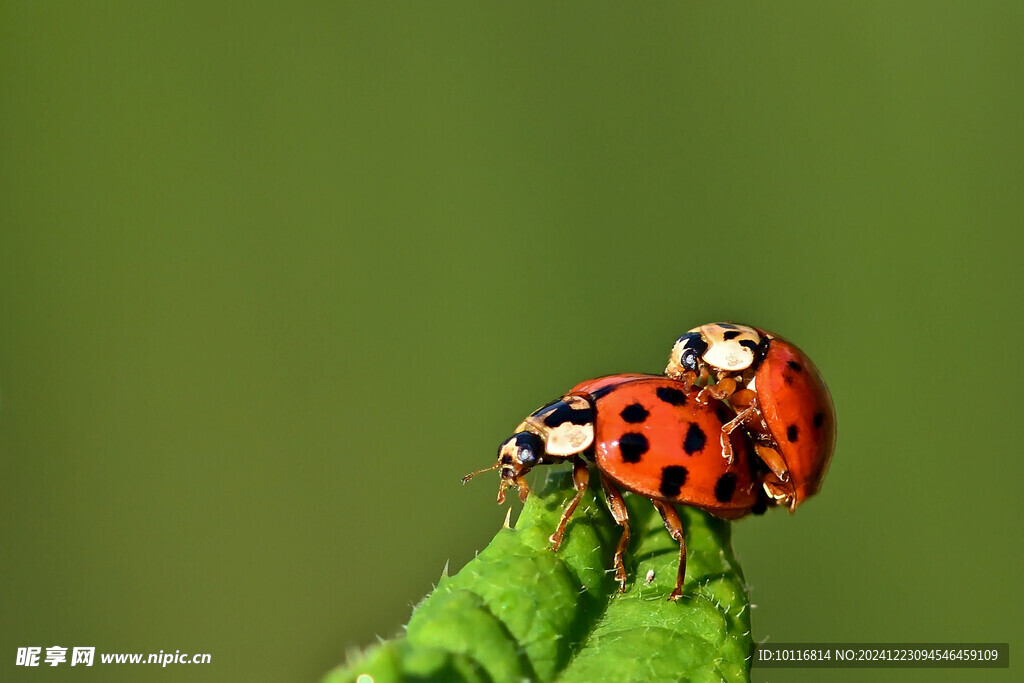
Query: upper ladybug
[[777, 394]]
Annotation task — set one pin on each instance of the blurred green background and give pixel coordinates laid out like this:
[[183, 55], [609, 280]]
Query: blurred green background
[[273, 278]]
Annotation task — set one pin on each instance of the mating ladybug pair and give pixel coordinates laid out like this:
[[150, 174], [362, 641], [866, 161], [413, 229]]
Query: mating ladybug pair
[[742, 420]]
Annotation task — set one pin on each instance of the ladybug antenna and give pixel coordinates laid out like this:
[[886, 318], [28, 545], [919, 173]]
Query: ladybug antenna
[[486, 469]]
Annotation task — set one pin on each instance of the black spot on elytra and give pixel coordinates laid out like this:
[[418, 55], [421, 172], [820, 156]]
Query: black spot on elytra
[[794, 366], [563, 413], [792, 433], [787, 378], [819, 419], [632, 446], [671, 395], [723, 412], [673, 478], [634, 413], [695, 439], [731, 334], [725, 487]]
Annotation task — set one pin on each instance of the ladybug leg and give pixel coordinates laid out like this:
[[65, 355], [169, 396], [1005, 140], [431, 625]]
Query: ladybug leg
[[675, 529], [731, 425], [619, 513], [691, 379], [721, 390], [580, 478], [777, 483], [688, 378], [778, 491]]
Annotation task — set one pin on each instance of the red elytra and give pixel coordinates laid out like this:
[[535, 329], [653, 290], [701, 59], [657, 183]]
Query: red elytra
[[676, 432], [796, 408], [645, 435]]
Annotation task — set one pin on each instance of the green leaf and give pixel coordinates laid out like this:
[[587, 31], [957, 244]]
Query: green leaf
[[519, 611]]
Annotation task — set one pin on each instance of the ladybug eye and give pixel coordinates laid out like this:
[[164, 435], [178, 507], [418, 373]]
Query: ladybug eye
[[528, 445], [688, 359]]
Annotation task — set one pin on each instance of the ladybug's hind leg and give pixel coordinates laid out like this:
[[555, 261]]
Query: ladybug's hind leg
[[777, 483], [675, 529], [619, 513], [580, 478]]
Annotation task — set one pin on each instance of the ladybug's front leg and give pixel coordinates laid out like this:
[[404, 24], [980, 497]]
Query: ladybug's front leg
[[691, 378], [580, 478], [621, 516], [721, 390], [675, 529]]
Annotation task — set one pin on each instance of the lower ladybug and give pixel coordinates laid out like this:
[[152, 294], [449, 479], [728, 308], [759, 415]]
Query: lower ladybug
[[642, 434], [778, 396]]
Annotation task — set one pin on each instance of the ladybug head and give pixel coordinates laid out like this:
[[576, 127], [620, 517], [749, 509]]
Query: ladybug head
[[686, 354], [716, 349], [517, 455]]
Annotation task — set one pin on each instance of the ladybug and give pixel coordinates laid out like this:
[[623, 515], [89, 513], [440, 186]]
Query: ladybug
[[776, 392], [643, 434]]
